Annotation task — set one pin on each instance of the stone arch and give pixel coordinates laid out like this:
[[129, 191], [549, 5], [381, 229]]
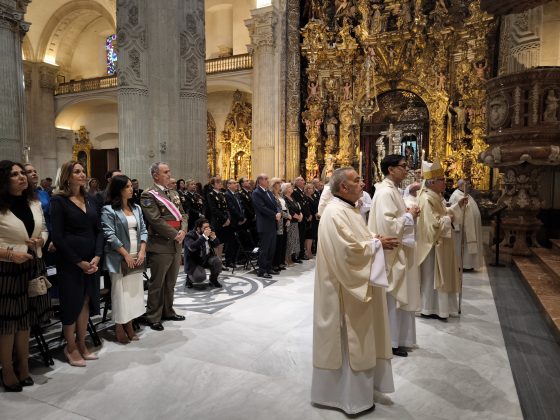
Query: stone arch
[[27, 49], [56, 42]]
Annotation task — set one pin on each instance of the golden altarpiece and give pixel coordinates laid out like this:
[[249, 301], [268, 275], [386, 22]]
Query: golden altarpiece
[[236, 139], [392, 76], [81, 150]]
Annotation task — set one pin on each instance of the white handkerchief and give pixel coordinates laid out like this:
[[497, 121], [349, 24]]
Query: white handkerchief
[[378, 276]]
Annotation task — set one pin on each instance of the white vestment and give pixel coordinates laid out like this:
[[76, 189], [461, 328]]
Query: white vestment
[[326, 196], [389, 217], [472, 251], [366, 205], [351, 344]]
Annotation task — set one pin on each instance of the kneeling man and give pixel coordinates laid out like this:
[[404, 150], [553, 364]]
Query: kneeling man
[[199, 245]]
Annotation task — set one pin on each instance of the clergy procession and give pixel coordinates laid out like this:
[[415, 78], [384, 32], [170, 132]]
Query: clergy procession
[[375, 277]]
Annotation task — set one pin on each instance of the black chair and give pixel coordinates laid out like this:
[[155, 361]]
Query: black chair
[[247, 255]]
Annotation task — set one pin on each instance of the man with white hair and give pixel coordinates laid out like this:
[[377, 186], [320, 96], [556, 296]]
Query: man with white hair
[[351, 343], [468, 228], [167, 227], [439, 271]]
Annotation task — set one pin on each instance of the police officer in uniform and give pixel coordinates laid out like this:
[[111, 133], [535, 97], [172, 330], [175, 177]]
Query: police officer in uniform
[[219, 214], [167, 227], [246, 199], [193, 203]]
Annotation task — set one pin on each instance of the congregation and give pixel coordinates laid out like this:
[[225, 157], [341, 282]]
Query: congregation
[[401, 258]]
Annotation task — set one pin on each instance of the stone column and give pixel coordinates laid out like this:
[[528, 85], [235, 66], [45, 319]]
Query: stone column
[[265, 91], [192, 92], [12, 102], [40, 82], [293, 100], [162, 87], [137, 148]]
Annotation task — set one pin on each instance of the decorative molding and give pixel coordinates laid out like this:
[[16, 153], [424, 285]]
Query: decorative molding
[[47, 76], [132, 44]]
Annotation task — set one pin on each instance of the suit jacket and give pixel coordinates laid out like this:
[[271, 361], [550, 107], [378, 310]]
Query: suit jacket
[[14, 234], [235, 209], [115, 231], [196, 247], [265, 209], [161, 236], [136, 194], [298, 195]]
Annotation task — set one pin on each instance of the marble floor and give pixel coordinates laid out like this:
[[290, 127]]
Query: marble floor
[[245, 353]]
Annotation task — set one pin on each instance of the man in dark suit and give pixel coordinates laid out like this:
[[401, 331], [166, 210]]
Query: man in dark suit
[[101, 196], [268, 214], [219, 214], [238, 221], [199, 249], [167, 227], [298, 195], [136, 192]]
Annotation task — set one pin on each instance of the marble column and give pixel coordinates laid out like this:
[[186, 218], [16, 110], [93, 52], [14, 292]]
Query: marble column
[[40, 82], [12, 101], [162, 87], [293, 98], [193, 93], [265, 91]]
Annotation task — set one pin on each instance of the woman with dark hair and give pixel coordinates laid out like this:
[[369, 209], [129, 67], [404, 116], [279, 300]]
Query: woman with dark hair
[[22, 235], [78, 238], [294, 208], [125, 241]]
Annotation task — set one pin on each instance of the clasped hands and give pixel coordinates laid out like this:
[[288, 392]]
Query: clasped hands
[[35, 243], [388, 242], [131, 262], [89, 267]]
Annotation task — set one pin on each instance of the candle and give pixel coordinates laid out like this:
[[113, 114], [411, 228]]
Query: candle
[[423, 155], [360, 167]]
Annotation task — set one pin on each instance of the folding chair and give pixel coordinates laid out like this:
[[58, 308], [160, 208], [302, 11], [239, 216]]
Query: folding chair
[[248, 255]]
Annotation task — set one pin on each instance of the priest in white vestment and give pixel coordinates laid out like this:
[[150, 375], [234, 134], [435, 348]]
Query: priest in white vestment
[[390, 216], [469, 228], [439, 272], [351, 342]]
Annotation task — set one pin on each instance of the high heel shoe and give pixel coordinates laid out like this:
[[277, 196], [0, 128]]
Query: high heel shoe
[[27, 381], [10, 388], [121, 335], [72, 362]]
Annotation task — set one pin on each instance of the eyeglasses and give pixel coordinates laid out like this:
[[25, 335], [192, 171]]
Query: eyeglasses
[[403, 165]]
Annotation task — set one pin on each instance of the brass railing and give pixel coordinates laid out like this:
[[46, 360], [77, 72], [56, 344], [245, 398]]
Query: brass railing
[[226, 64], [213, 66], [86, 85]]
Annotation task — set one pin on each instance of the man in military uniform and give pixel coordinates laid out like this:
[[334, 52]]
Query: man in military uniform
[[167, 227], [219, 214]]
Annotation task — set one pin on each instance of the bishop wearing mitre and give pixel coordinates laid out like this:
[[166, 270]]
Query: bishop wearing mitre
[[351, 342], [439, 271], [389, 216]]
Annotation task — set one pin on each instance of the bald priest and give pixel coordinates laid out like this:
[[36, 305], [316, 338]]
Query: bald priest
[[351, 341]]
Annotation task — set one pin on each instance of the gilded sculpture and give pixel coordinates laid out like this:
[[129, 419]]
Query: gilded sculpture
[[236, 139], [365, 49]]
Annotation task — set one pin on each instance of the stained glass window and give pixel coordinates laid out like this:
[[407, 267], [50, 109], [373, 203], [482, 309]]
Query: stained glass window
[[111, 48]]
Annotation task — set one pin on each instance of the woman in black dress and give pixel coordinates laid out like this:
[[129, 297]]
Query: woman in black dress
[[22, 234], [309, 212], [78, 238]]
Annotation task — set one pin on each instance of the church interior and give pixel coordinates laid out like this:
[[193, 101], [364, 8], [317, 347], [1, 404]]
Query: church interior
[[300, 88]]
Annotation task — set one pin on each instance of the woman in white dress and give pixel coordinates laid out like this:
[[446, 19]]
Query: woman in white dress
[[125, 243]]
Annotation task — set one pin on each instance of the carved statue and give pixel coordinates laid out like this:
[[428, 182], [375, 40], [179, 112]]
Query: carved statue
[[441, 81], [331, 122], [377, 21], [404, 17], [417, 8], [328, 169], [480, 69], [343, 4], [441, 7], [551, 108], [460, 112], [347, 91], [316, 10], [312, 88]]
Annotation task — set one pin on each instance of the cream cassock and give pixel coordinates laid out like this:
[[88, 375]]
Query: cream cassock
[[389, 217], [351, 344], [472, 252]]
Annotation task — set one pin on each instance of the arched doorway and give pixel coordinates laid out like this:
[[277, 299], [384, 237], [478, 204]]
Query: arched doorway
[[400, 126]]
